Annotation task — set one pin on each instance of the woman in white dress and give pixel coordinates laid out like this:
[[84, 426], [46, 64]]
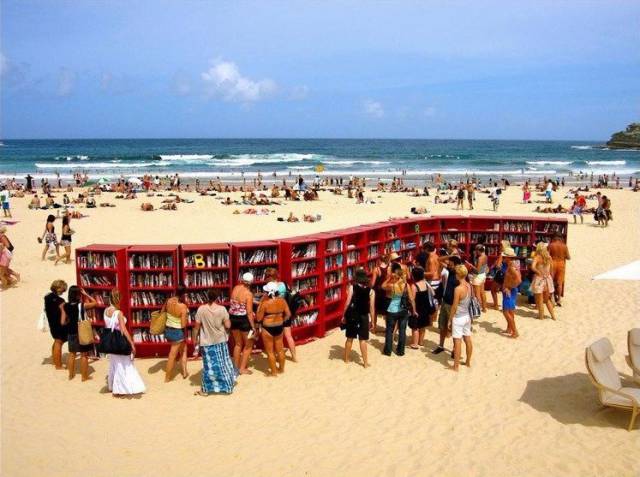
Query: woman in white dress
[[123, 378]]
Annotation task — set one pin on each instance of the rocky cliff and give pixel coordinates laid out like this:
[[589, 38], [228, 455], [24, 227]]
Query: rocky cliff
[[627, 139]]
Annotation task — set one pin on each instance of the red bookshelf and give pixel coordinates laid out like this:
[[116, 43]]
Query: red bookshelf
[[301, 259], [319, 266], [99, 269], [152, 276]]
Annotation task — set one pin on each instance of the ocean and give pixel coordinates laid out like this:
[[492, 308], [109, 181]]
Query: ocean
[[235, 158]]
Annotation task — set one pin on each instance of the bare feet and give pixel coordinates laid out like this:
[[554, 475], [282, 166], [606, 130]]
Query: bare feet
[[200, 393], [245, 371]]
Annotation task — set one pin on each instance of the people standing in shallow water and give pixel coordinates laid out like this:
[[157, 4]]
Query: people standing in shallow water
[[358, 315]]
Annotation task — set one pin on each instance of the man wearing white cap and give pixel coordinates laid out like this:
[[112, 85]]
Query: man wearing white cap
[[242, 322]]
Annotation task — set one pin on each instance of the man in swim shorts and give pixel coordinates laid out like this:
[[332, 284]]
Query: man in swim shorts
[[559, 254]]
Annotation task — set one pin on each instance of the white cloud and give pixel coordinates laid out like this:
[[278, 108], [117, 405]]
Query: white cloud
[[299, 93], [223, 79], [373, 108], [66, 82]]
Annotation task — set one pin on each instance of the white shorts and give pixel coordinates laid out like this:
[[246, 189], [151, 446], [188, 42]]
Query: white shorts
[[461, 326], [479, 279]]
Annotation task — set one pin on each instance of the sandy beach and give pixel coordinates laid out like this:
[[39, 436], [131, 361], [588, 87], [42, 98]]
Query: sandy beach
[[526, 407]]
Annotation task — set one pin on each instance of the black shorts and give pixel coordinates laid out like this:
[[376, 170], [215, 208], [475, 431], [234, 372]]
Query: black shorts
[[240, 323], [76, 347], [287, 323], [382, 302], [358, 327], [420, 321]]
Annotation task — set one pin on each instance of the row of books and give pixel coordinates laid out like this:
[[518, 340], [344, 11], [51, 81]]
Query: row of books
[[150, 260], [302, 268], [97, 260], [305, 319], [305, 284], [332, 294], [259, 274], [553, 228], [101, 298], [259, 256], [333, 261], [151, 280], [148, 298], [372, 251], [427, 238], [143, 336], [334, 245], [333, 278], [353, 256], [201, 260], [485, 238], [306, 251], [87, 280], [516, 226], [202, 279], [459, 237], [515, 238], [200, 297]]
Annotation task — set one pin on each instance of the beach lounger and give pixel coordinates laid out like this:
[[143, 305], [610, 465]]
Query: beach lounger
[[605, 377], [633, 342]]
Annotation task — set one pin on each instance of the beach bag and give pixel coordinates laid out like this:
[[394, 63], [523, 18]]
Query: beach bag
[[112, 341], [158, 322], [85, 330], [43, 323], [474, 307], [405, 306]]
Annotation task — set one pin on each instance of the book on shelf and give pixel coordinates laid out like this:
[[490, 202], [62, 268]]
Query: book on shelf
[[208, 278], [332, 294], [259, 274], [144, 336], [302, 268], [88, 280], [150, 260], [259, 256], [200, 298], [304, 251], [147, 298], [210, 260], [101, 298], [485, 238], [333, 246], [304, 284], [550, 227], [333, 278], [151, 280], [305, 319], [334, 261], [516, 226], [96, 260], [353, 256]]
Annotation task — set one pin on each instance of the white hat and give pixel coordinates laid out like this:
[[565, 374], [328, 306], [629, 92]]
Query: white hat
[[270, 288], [247, 277]]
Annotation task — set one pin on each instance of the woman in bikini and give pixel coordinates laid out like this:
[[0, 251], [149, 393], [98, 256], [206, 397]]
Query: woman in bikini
[[272, 314], [49, 237], [272, 276], [378, 276], [242, 322], [542, 283], [175, 332], [65, 241], [480, 269]]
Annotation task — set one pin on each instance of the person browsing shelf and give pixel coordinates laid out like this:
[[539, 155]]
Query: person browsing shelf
[[71, 313], [272, 314], [559, 255], [53, 303], [542, 283], [401, 305], [358, 315], [175, 332], [242, 322], [512, 280], [272, 276], [448, 286]]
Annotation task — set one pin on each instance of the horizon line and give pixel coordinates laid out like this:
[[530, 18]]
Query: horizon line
[[236, 138]]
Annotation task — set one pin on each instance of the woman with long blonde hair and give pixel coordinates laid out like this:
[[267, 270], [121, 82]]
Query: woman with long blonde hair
[[401, 305], [542, 283]]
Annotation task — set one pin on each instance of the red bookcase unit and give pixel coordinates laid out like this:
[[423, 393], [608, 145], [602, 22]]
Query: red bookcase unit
[[99, 269], [318, 266], [152, 273], [301, 269]]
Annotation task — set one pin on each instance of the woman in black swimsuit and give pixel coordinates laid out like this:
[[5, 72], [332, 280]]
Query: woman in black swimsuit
[[381, 300], [65, 241], [272, 314]]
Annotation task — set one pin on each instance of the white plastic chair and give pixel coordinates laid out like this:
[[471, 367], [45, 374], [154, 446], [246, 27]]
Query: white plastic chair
[[633, 342]]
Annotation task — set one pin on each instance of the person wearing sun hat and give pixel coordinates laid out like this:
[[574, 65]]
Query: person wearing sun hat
[[512, 280], [242, 322]]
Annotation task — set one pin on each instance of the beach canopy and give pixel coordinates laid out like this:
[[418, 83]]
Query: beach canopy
[[631, 271], [103, 180], [134, 180]]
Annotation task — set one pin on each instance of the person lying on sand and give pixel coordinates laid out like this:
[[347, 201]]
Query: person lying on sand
[[146, 207], [171, 206], [559, 209], [107, 204], [292, 218], [312, 218]]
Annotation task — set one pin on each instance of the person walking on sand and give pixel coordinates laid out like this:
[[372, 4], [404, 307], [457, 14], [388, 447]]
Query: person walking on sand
[[559, 255], [460, 198], [459, 319], [512, 280], [4, 199], [71, 313], [49, 237], [123, 378], [272, 313], [542, 283], [242, 322], [176, 332], [53, 303], [470, 194], [359, 310], [210, 334], [65, 240]]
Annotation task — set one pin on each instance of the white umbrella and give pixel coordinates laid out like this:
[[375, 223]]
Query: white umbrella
[[630, 271], [134, 180]]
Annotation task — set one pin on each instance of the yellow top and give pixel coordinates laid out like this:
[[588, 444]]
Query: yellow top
[[173, 321]]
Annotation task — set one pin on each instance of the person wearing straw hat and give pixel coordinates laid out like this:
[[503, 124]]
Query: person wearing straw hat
[[242, 322], [512, 280]]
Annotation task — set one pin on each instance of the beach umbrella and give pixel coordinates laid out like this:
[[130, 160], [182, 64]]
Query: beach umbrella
[[103, 180], [319, 168], [134, 180], [630, 271]]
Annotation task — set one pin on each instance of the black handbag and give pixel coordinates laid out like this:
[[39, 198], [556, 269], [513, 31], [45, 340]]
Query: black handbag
[[112, 341]]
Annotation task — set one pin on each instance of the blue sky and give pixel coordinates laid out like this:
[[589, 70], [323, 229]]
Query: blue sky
[[491, 70]]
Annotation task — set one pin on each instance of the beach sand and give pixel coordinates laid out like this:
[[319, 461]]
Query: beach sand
[[526, 407]]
